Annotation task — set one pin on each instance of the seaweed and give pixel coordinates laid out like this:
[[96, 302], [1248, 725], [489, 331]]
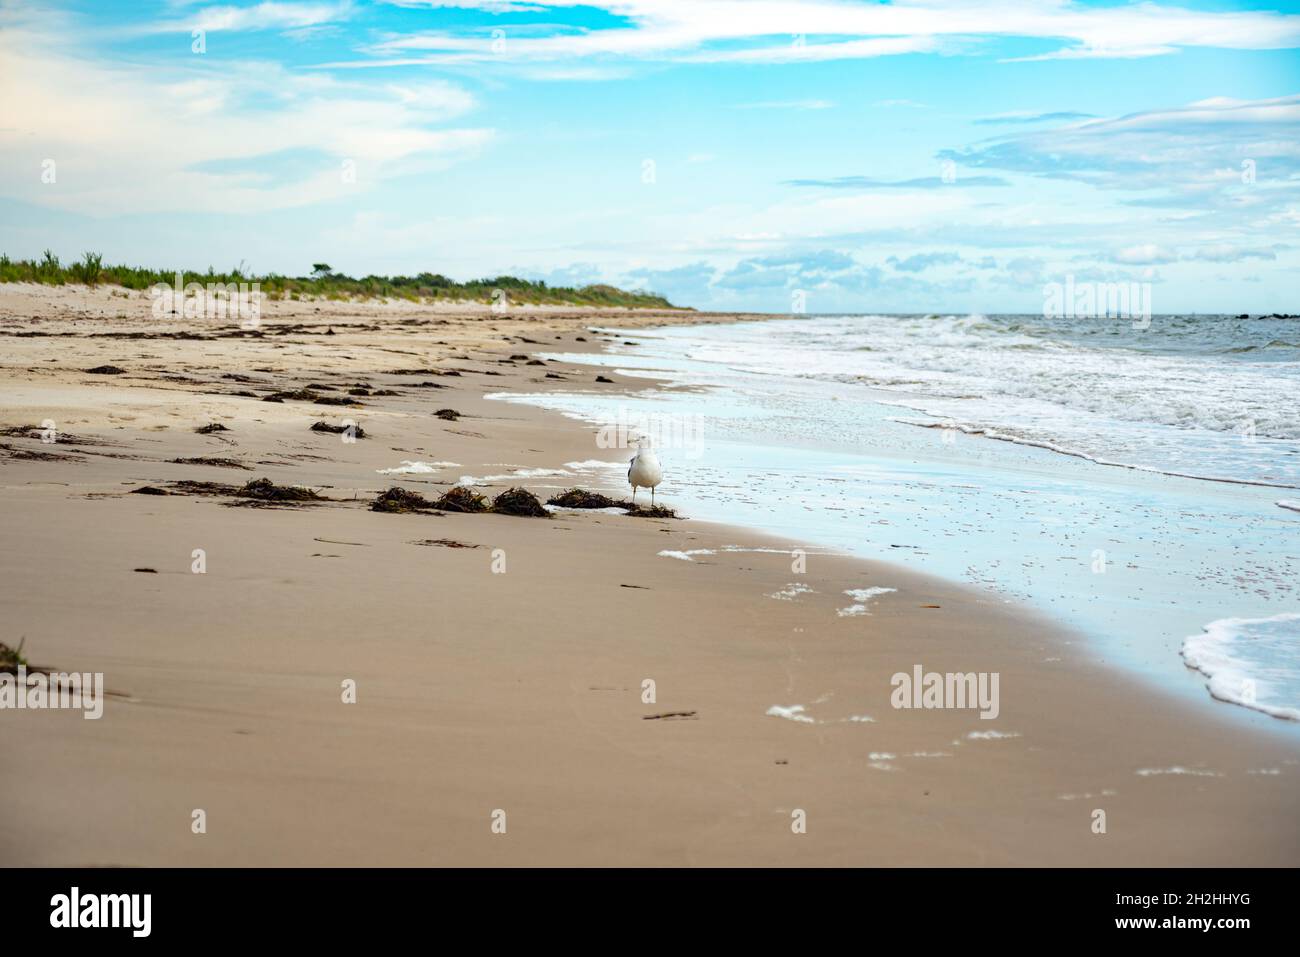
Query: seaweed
[[461, 499], [149, 490], [399, 500], [265, 490], [210, 428], [105, 370], [581, 498], [202, 488], [298, 395], [358, 431], [209, 460], [12, 658], [451, 415], [519, 501], [32, 455], [654, 511], [335, 400]]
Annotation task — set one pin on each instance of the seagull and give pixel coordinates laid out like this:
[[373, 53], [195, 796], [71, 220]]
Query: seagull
[[644, 472]]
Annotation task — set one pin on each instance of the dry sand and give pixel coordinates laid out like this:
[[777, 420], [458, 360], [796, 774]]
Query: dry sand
[[520, 691]]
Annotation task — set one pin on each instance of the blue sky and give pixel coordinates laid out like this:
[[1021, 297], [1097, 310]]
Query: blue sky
[[917, 156]]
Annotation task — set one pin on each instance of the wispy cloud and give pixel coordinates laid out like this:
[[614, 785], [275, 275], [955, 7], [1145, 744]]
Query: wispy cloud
[[787, 105], [1022, 117], [920, 182], [268, 15], [788, 31], [232, 135], [1190, 148]]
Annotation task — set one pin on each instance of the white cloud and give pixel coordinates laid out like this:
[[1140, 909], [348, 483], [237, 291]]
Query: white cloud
[[244, 136], [811, 30], [268, 15]]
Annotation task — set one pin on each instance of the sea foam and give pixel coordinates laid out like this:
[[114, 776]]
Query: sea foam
[[1253, 662]]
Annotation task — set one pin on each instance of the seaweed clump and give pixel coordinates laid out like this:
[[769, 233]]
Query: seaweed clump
[[11, 658], [399, 500], [461, 499], [213, 461], [357, 431], [654, 511], [210, 428], [451, 415], [581, 498], [297, 395], [519, 501], [265, 490]]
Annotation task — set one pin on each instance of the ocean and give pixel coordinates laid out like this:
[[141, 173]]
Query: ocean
[[1139, 482]]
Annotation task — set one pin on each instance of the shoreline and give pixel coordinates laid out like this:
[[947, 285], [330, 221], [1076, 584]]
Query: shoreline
[[904, 486], [520, 691]]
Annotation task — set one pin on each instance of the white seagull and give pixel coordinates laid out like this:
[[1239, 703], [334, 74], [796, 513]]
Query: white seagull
[[644, 472]]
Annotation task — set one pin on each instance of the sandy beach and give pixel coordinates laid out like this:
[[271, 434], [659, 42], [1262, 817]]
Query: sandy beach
[[499, 661]]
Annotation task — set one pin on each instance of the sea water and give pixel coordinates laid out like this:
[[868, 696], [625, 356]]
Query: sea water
[[1124, 480]]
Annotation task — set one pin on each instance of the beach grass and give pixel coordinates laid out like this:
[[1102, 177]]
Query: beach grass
[[325, 283]]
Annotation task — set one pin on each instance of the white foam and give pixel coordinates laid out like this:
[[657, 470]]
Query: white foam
[[510, 476], [794, 712], [991, 735], [1176, 770], [688, 555], [418, 468], [1291, 503], [791, 591], [861, 597], [591, 464], [1253, 662]]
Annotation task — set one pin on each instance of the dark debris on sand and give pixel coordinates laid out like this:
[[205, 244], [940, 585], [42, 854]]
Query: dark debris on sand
[[451, 415], [581, 498], [297, 395], [654, 511], [105, 370], [265, 490], [358, 431], [461, 499], [210, 428], [519, 501], [213, 461], [399, 500], [11, 658], [32, 455], [186, 487]]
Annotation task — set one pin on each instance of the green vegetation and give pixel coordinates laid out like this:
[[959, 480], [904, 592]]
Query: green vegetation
[[325, 283]]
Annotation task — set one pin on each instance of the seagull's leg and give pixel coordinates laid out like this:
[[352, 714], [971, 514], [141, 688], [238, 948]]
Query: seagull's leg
[[633, 494], [652, 496]]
